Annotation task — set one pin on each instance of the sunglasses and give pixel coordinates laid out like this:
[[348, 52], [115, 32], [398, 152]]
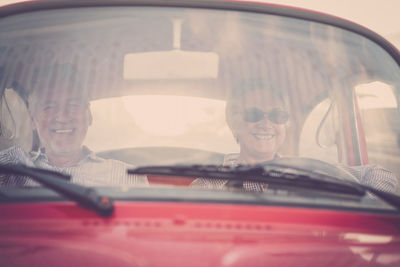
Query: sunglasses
[[276, 115]]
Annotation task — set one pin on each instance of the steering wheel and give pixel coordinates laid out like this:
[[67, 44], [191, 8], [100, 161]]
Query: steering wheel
[[315, 165]]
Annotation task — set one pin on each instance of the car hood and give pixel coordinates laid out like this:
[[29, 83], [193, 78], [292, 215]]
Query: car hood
[[195, 234]]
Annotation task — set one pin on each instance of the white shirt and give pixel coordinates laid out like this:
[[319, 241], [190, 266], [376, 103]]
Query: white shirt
[[90, 171]]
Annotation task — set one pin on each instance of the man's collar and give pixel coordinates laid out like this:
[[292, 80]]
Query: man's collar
[[88, 156]]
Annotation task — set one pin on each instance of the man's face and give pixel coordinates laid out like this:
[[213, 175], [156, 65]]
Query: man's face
[[261, 139], [61, 119]]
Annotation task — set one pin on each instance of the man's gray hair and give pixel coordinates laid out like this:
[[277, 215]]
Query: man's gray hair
[[55, 79]]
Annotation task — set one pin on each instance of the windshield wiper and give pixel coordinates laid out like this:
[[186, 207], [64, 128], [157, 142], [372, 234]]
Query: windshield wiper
[[84, 196], [278, 175], [273, 174]]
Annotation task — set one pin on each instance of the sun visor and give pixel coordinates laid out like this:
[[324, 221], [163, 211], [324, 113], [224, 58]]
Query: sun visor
[[171, 65]]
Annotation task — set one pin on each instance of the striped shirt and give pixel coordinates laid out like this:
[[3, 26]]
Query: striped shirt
[[90, 171], [371, 175]]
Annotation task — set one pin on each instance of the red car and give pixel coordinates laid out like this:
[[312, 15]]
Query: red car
[[196, 133]]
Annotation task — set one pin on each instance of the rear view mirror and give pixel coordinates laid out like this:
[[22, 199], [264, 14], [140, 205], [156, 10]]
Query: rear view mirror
[[174, 64]]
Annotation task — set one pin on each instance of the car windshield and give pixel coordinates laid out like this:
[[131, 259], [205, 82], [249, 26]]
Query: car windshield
[[93, 92]]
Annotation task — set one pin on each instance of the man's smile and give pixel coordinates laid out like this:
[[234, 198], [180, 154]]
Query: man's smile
[[63, 131]]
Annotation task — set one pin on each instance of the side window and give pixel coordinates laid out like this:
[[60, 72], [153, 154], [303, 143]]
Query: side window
[[381, 122]]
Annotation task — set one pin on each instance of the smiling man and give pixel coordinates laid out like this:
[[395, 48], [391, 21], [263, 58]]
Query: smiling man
[[60, 116], [60, 113]]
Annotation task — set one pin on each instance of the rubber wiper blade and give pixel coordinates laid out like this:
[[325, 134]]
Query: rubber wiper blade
[[206, 171], [268, 175], [273, 174], [389, 198], [84, 196]]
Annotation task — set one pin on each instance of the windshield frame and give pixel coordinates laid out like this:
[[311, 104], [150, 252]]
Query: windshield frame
[[273, 198], [357, 145], [265, 8], [355, 148]]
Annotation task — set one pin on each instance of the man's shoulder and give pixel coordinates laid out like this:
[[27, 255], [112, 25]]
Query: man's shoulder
[[92, 157], [12, 150], [15, 155], [113, 171], [100, 160]]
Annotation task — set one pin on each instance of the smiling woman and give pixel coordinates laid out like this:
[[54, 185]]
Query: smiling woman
[[258, 118]]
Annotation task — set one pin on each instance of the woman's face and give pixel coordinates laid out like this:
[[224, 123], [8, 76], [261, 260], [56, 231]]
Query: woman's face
[[259, 137]]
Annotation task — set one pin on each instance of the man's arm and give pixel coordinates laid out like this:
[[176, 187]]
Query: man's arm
[[14, 155]]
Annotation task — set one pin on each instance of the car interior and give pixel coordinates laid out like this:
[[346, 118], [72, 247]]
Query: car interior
[[118, 53]]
